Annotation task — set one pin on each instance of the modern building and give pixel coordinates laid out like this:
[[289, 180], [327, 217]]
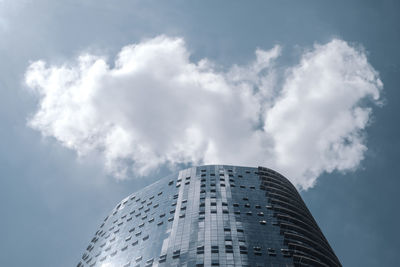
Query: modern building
[[212, 215]]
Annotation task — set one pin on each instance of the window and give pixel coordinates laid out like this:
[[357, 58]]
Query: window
[[162, 258], [285, 252], [149, 263], [243, 249], [214, 262], [228, 249], [271, 252], [176, 254], [200, 250], [214, 249]]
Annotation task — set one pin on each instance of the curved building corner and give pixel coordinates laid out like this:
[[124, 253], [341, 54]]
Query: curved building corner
[[214, 215]]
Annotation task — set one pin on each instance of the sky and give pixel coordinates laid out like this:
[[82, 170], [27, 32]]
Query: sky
[[99, 99]]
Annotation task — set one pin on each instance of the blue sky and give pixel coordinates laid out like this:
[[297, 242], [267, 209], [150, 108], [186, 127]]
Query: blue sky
[[85, 85]]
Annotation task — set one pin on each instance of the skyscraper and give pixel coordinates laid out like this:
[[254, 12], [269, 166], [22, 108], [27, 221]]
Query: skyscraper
[[212, 215]]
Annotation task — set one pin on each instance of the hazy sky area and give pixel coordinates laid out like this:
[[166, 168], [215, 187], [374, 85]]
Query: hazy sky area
[[100, 98]]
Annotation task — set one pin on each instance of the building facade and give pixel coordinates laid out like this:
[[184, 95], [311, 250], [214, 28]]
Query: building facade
[[212, 215]]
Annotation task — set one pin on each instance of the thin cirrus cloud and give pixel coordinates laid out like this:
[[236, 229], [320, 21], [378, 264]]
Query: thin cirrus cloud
[[155, 107]]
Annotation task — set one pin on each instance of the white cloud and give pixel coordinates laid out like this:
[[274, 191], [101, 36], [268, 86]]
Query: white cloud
[[156, 107]]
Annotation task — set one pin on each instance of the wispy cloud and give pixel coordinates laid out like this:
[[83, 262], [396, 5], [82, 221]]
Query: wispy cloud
[[155, 106]]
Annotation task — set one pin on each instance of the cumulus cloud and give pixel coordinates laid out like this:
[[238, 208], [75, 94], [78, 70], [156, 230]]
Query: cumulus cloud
[[154, 106]]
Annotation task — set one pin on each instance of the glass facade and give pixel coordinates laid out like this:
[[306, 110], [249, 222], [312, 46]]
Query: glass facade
[[214, 215]]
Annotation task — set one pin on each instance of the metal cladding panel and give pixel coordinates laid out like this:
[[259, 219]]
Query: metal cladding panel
[[212, 215]]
